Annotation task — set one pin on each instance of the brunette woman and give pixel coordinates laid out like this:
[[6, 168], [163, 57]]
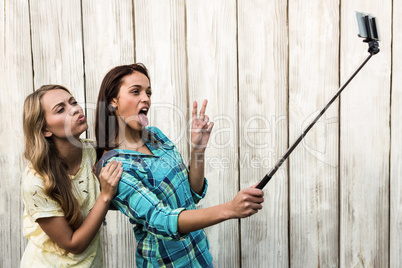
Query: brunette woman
[[157, 191]]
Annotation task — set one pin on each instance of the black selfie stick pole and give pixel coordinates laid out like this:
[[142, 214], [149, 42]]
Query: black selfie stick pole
[[373, 49]]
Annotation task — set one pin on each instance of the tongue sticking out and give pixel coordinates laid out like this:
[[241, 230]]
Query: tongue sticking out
[[143, 119]]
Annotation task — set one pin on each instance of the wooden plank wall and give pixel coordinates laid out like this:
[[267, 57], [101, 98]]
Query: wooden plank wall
[[16, 79], [108, 41], [212, 75], [313, 167], [263, 84], [365, 143], [267, 68], [396, 142]]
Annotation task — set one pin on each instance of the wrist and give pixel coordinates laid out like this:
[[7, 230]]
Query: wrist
[[227, 212], [199, 153], [105, 198]]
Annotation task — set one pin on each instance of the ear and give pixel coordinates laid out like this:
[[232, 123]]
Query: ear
[[113, 104], [47, 133]]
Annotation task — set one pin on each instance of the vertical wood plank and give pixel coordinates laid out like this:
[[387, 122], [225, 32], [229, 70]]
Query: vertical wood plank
[[57, 45], [109, 41], [313, 80], [16, 84], [212, 75], [365, 142], [161, 46], [108, 32], [263, 85], [396, 141]]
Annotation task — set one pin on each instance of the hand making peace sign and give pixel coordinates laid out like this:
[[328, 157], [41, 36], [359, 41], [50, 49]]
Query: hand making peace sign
[[200, 128]]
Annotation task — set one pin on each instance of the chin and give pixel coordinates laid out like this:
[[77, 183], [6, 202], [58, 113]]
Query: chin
[[76, 133]]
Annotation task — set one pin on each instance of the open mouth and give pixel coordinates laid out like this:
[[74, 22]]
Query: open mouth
[[143, 111]]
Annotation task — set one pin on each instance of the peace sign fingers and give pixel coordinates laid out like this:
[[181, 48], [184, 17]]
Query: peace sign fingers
[[201, 127], [203, 108], [202, 112]]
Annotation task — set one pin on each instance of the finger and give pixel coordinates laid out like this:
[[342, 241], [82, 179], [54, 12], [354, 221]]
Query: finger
[[254, 206], [257, 206], [116, 170], [251, 211], [113, 167], [210, 126], [108, 170], [203, 108], [107, 167], [252, 199], [194, 115], [119, 174], [255, 185], [119, 164], [257, 200], [204, 123], [117, 177], [254, 191]]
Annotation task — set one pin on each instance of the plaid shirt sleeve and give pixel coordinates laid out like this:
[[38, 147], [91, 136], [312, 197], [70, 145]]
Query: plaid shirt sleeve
[[144, 208]]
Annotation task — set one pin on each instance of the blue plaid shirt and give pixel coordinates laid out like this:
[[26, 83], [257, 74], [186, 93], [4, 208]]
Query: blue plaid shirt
[[152, 192]]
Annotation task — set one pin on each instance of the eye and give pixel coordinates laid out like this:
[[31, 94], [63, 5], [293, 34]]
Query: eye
[[74, 102], [149, 93], [135, 91], [61, 110]]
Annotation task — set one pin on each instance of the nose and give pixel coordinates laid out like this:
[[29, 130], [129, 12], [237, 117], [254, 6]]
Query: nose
[[145, 97], [74, 109]]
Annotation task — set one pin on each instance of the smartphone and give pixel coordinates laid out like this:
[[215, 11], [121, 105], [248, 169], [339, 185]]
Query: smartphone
[[367, 26]]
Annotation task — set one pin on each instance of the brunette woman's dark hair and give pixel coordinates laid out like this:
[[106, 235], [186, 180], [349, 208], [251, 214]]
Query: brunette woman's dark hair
[[106, 124]]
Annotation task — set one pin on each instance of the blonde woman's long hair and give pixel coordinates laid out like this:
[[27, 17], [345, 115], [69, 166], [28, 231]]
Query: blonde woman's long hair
[[44, 157]]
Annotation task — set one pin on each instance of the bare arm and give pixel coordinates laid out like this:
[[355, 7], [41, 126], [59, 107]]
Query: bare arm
[[196, 172], [76, 241], [200, 133], [246, 203]]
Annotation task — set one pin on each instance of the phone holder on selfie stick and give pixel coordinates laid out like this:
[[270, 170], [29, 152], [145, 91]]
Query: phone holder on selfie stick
[[367, 28]]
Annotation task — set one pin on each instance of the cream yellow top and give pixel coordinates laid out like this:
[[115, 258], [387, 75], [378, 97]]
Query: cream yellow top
[[41, 251]]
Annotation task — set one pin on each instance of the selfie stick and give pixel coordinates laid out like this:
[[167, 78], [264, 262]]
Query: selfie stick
[[373, 49]]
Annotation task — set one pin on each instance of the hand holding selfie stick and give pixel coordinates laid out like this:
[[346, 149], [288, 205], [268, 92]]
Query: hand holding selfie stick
[[368, 30]]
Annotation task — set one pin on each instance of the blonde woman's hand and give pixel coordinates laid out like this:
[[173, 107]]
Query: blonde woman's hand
[[109, 178]]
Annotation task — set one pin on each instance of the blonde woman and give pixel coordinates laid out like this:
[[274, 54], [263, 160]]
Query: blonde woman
[[64, 206]]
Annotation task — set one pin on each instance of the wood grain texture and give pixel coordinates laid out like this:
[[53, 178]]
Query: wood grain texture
[[161, 46], [266, 67], [16, 84], [263, 85], [365, 142], [57, 45], [108, 30], [313, 80], [396, 141], [109, 42], [212, 75]]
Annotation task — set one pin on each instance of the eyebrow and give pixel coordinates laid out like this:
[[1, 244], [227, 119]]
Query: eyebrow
[[62, 103], [138, 86]]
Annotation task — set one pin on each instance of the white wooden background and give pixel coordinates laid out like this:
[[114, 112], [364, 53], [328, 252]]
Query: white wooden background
[[266, 68]]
